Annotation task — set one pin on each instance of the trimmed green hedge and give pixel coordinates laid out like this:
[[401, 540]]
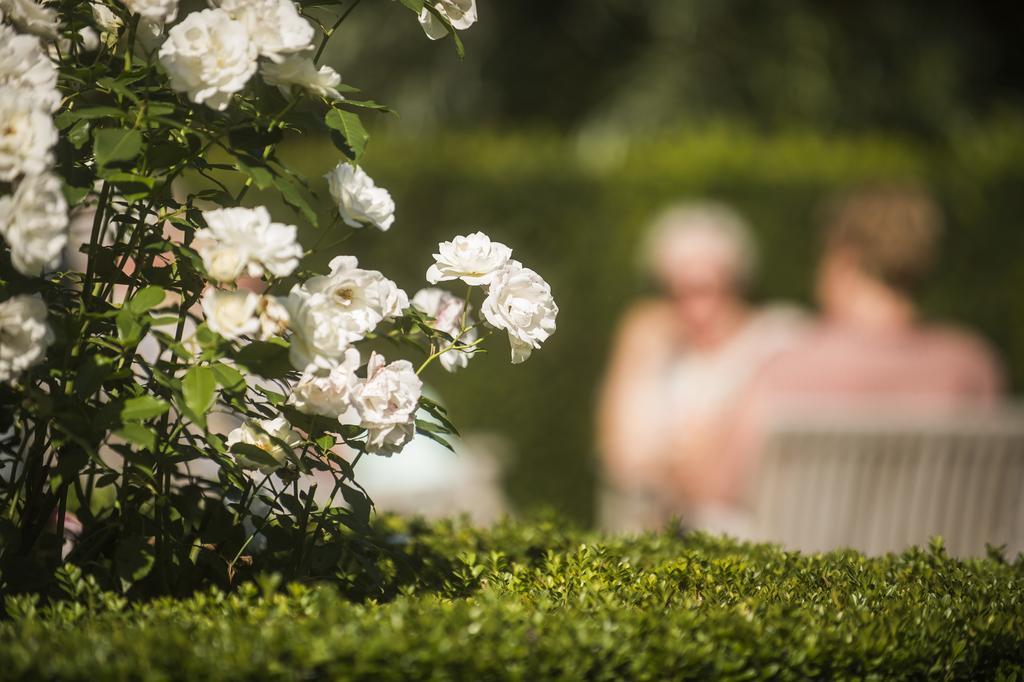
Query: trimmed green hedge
[[537, 602], [575, 210]]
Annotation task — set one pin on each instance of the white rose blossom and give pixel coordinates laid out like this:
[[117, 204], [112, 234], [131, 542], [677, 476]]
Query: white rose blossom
[[27, 136], [330, 312], [473, 258], [274, 436], [446, 310], [244, 239], [359, 199], [520, 302], [273, 317], [210, 56], [24, 335], [275, 26], [26, 69], [32, 17], [232, 314], [461, 14], [33, 222], [300, 70], [158, 11], [387, 401], [328, 392]]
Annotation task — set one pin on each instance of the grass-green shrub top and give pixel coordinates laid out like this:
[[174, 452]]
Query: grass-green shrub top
[[535, 602]]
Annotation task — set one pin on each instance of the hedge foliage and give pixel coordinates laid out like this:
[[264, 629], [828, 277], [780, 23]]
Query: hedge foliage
[[538, 602], [576, 208]]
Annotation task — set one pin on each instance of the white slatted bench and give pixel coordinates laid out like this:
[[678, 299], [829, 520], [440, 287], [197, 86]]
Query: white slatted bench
[[882, 483]]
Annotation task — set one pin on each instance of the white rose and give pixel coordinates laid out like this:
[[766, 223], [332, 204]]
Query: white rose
[[31, 16], [26, 69], [275, 26], [159, 11], [332, 311], [520, 302], [223, 262], [328, 393], [301, 71], [386, 401], [359, 200], [238, 239], [33, 222], [446, 310], [277, 249], [461, 14], [473, 258], [232, 314], [27, 136], [209, 56], [24, 335], [274, 436], [273, 316]]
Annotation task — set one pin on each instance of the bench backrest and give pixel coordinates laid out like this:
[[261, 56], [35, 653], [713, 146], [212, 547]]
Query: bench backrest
[[883, 484]]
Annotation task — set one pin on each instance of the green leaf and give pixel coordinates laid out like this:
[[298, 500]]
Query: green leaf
[[268, 359], [250, 454], [228, 377], [351, 129], [91, 375], [142, 408], [261, 175], [119, 87], [198, 388], [67, 118], [73, 194], [78, 136], [111, 145], [138, 434], [133, 558], [129, 329], [431, 431], [294, 196], [415, 5], [146, 298]]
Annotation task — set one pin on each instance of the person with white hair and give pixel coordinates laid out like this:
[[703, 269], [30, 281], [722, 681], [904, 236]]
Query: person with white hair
[[679, 363]]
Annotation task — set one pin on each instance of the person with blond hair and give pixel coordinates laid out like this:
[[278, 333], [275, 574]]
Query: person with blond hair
[[679, 362], [870, 351]]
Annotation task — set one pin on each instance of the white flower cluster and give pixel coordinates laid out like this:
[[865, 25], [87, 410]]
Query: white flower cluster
[[325, 314], [331, 312], [384, 402], [518, 300], [34, 214], [238, 240], [211, 54]]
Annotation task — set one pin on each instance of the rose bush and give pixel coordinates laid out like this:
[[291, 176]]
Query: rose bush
[[174, 383]]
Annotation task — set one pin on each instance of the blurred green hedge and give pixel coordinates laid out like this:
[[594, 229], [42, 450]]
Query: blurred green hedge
[[537, 602], [574, 208]]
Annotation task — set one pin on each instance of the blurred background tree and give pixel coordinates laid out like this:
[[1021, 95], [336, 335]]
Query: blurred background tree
[[640, 66], [570, 123]]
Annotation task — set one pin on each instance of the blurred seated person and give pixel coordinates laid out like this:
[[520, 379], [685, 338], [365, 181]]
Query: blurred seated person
[[681, 360], [870, 351]]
